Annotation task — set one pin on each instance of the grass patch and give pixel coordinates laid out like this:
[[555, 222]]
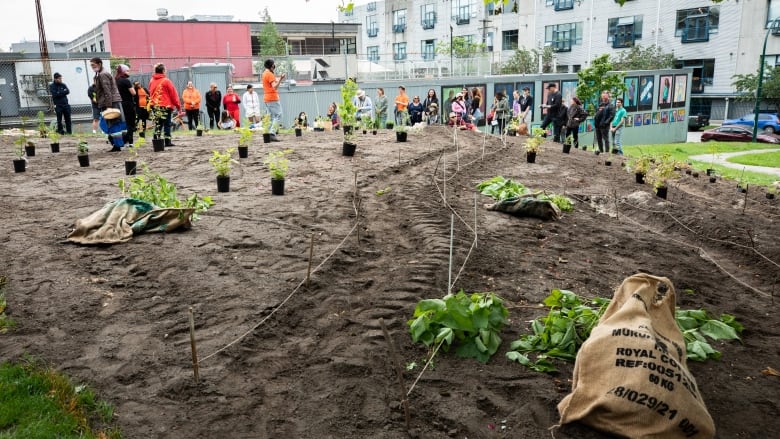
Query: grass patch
[[682, 152], [771, 159], [39, 402]]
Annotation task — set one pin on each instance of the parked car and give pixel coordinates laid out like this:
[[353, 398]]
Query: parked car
[[736, 133], [767, 122], [695, 123]]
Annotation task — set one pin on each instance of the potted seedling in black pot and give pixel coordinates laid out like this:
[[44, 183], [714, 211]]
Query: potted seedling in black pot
[[265, 123], [222, 161], [660, 174], [770, 192], [20, 162], [278, 164], [245, 137], [132, 155], [567, 143], [82, 151], [640, 166], [401, 130], [533, 145], [199, 129], [54, 139]]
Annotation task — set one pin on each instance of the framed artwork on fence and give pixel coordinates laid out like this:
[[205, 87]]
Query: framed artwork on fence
[[646, 87], [637, 120], [656, 117], [630, 95], [664, 116], [672, 116], [647, 118], [505, 87], [681, 115], [589, 124], [627, 121], [665, 91], [445, 98], [680, 90], [568, 91]]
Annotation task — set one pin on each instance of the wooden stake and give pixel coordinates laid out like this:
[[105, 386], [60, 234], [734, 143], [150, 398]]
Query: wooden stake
[[444, 170], [614, 193], [449, 271], [744, 204], [398, 371], [194, 348], [311, 253], [475, 220]]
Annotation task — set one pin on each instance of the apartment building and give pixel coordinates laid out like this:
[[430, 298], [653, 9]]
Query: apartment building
[[715, 40]]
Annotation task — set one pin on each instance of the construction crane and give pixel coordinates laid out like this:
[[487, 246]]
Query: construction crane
[[44, 47]]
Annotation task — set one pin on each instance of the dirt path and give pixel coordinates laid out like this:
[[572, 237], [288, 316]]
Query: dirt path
[[116, 317]]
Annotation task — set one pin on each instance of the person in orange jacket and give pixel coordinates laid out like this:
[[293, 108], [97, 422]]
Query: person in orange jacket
[[163, 98], [191, 98]]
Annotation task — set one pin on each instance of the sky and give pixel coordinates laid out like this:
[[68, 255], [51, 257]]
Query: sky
[[65, 20]]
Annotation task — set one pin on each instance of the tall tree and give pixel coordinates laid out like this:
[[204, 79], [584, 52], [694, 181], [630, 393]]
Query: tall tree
[[522, 61], [643, 58], [271, 43], [599, 76], [746, 86]]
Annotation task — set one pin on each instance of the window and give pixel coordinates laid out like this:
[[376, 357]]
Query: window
[[563, 5], [371, 6], [509, 40], [696, 25], [461, 11], [399, 20], [489, 42], [372, 27], [703, 71], [373, 53], [428, 14], [624, 31], [773, 12], [102, 46], [562, 36], [399, 51], [92, 48], [428, 49]]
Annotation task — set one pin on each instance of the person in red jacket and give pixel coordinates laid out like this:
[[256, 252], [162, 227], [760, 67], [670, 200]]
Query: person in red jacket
[[230, 102], [163, 98]]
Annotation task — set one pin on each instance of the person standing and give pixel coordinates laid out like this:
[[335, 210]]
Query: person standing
[[553, 107], [617, 127], [401, 106], [95, 109], [271, 96], [141, 111], [127, 92], [459, 107], [191, 98], [575, 115], [251, 101], [213, 102], [231, 102], [602, 120], [365, 108], [503, 111], [164, 100], [430, 99], [415, 111], [475, 110], [106, 93], [381, 106], [59, 95], [526, 106]]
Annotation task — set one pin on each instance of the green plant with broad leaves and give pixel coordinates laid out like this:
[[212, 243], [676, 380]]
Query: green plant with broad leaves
[[661, 171], [534, 142], [222, 161], [157, 190], [43, 129], [563, 202], [132, 149], [54, 137], [473, 322], [245, 135], [403, 122], [570, 320], [500, 188], [82, 147], [6, 322], [265, 123], [641, 164], [278, 163]]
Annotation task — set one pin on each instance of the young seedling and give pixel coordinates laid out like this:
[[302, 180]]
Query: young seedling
[[277, 163]]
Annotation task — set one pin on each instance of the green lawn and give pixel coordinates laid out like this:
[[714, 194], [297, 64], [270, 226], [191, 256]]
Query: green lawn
[[681, 152], [764, 159]]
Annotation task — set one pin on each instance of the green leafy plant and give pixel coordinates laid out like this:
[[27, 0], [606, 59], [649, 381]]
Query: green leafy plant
[[265, 123], [641, 164], [245, 134], [696, 324], [200, 126], [403, 122], [278, 163], [661, 171], [132, 149], [22, 141], [500, 188], [381, 192], [157, 190], [534, 142], [563, 202], [473, 322], [347, 109], [54, 137], [6, 323], [569, 139], [82, 147], [42, 127], [222, 161]]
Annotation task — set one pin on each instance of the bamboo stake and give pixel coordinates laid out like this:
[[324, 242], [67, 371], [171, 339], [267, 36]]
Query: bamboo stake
[[744, 203], [449, 271], [311, 254], [614, 193], [398, 371], [475, 220], [194, 348], [444, 187]]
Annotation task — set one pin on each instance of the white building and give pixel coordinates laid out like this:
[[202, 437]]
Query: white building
[[716, 40]]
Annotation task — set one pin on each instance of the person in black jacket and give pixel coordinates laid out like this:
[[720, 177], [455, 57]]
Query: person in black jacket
[[602, 120], [213, 101], [59, 95], [554, 111]]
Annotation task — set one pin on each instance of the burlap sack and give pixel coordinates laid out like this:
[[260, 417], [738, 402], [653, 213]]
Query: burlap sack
[[630, 376]]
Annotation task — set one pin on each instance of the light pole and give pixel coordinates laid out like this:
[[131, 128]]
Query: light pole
[[772, 26], [451, 72]]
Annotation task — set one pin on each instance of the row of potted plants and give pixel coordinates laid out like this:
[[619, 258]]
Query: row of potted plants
[[276, 161]]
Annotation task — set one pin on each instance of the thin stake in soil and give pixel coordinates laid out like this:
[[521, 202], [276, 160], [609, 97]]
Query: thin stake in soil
[[475, 220], [444, 170], [744, 203], [194, 348], [614, 193], [398, 371], [311, 253], [449, 271]]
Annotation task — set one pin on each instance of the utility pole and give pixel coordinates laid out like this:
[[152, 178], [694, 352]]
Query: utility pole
[[772, 26]]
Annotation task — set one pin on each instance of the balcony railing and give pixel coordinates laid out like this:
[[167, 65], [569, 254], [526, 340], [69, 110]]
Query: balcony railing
[[462, 20], [428, 24], [428, 56], [623, 38], [372, 32], [399, 28], [399, 56], [561, 46], [564, 5]]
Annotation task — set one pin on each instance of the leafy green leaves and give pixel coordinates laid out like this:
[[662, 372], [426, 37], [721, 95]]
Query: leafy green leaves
[[156, 189], [473, 322], [500, 188], [696, 325]]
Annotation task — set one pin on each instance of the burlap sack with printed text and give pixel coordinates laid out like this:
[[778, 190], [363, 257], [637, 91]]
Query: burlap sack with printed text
[[630, 377]]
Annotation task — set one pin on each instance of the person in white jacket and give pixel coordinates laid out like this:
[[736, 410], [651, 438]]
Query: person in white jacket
[[365, 107], [251, 102]]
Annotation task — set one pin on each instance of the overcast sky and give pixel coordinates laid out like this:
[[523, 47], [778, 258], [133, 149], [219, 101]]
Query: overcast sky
[[64, 20]]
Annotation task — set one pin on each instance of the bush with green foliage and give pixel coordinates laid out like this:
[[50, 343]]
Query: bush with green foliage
[[156, 189]]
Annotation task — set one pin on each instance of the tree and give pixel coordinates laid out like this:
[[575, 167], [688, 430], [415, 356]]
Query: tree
[[746, 86], [461, 47], [597, 77], [271, 44], [522, 61], [639, 58]]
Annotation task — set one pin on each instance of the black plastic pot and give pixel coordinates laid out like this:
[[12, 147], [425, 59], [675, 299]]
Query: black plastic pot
[[566, 148], [365, 131], [389, 125], [373, 132], [277, 187], [597, 152], [530, 157], [83, 160], [348, 129], [710, 171], [695, 174], [223, 183], [661, 192], [770, 196], [158, 145], [607, 163], [199, 133], [29, 150], [129, 167], [266, 137], [640, 177], [348, 149], [400, 136], [55, 147], [688, 171], [319, 130], [298, 132], [713, 179], [584, 148], [243, 152], [741, 189], [20, 165]]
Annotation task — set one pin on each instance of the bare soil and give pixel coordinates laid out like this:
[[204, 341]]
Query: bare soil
[[116, 317]]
